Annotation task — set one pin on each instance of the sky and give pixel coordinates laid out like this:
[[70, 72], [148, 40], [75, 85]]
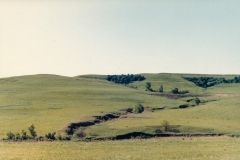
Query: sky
[[80, 37]]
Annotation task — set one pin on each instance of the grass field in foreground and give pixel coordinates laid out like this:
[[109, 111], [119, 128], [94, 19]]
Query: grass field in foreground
[[207, 148]]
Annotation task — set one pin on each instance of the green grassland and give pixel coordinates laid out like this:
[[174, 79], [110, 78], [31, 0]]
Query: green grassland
[[51, 102], [217, 148]]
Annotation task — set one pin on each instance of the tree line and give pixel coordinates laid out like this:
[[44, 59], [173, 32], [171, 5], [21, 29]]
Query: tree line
[[206, 82], [174, 91], [33, 136], [125, 79]]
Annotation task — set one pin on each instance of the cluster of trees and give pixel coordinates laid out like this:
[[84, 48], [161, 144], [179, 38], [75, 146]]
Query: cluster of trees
[[149, 88], [206, 82], [23, 136], [32, 136], [125, 79], [174, 91]]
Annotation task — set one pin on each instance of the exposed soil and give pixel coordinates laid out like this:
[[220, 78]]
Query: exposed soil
[[143, 135], [226, 95], [177, 96], [106, 117], [96, 120], [73, 126]]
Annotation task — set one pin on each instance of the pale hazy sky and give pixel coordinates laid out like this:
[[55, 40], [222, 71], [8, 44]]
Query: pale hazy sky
[[119, 36]]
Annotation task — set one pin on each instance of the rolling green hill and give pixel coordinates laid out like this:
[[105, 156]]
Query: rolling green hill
[[51, 102]]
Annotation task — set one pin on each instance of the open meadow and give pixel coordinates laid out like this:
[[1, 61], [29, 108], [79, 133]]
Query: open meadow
[[207, 148], [52, 103]]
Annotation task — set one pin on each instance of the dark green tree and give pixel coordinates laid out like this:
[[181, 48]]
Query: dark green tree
[[138, 108], [10, 136], [175, 91], [32, 131], [24, 135], [148, 86], [206, 82], [197, 100], [51, 136], [17, 137], [125, 79], [161, 88]]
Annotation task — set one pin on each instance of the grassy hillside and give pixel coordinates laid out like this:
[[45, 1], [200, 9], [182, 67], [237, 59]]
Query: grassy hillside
[[50, 102]]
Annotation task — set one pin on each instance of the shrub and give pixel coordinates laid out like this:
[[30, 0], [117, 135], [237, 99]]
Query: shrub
[[166, 125], [197, 100], [161, 88], [39, 138], [17, 137], [81, 134], [51, 136], [175, 91], [183, 106], [24, 135], [184, 92], [10, 136], [59, 137], [148, 86], [138, 108], [32, 131]]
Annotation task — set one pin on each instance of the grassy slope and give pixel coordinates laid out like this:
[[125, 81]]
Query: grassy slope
[[219, 116], [50, 102]]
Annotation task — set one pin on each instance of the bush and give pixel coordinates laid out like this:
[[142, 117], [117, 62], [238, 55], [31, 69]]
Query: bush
[[138, 108], [175, 91], [10, 136], [32, 131], [59, 137], [81, 134], [184, 92], [161, 88], [51, 136], [18, 137], [148, 86], [166, 125], [24, 135], [197, 100], [183, 106]]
